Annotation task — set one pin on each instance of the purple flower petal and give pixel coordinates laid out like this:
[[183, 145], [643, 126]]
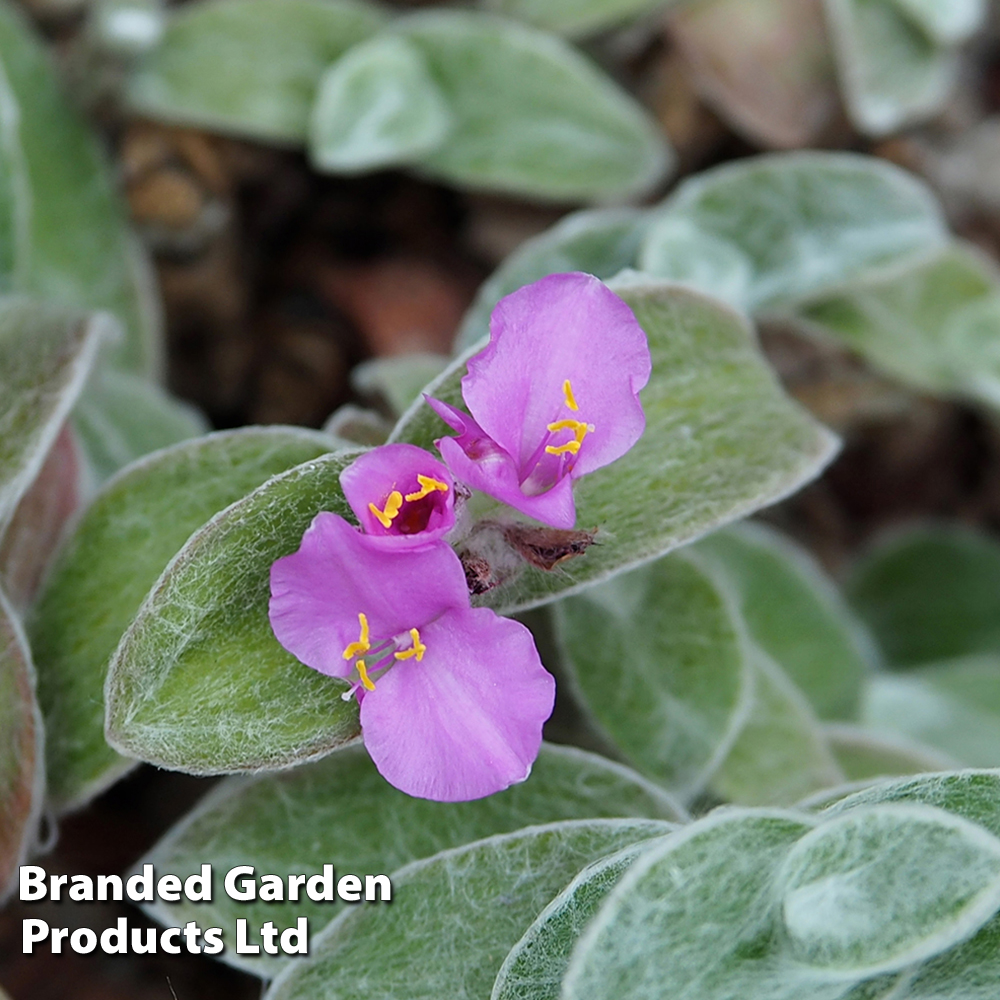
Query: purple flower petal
[[400, 490], [564, 328], [466, 720], [338, 573], [476, 460]]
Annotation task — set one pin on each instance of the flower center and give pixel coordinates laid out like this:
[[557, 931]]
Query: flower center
[[356, 650], [578, 427], [409, 514]]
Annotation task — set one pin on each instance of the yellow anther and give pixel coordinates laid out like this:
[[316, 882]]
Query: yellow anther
[[568, 393], [392, 504], [366, 682], [417, 649], [427, 486], [570, 446], [577, 426], [362, 645]]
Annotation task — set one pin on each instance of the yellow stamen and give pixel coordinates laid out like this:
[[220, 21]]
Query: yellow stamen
[[392, 504], [366, 682], [362, 645], [417, 649], [568, 393], [570, 446], [580, 431], [427, 486]]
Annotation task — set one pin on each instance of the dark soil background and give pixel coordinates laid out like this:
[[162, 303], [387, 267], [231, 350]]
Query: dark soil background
[[276, 282]]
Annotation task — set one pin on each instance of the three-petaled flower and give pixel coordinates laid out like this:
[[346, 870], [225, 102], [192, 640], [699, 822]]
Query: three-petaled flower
[[552, 397], [452, 698]]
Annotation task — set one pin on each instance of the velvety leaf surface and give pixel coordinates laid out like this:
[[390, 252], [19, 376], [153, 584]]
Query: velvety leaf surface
[[930, 593], [454, 916], [601, 242], [530, 114], [862, 753], [120, 418], [377, 106], [22, 769], [61, 222], [535, 966], [250, 67], [850, 901], [125, 539], [658, 657], [954, 707], [574, 18], [340, 811], [199, 683], [722, 440], [808, 221], [30, 540], [932, 323], [780, 754], [891, 71], [45, 355], [947, 23], [765, 67], [694, 918], [796, 615]]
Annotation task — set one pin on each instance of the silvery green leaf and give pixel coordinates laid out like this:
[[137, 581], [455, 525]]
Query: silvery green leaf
[[377, 106], [199, 683], [535, 966], [807, 221], [601, 242], [850, 902], [454, 916], [249, 67], [530, 114], [62, 226], [398, 380], [341, 810], [126, 537], [46, 353], [891, 72], [953, 707], [933, 322], [764, 67], [351, 426], [948, 23], [575, 18], [695, 918], [659, 660], [930, 593], [22, 767], [863, 754], [796, 614], [781, 754], [121, 417], [722, 440]]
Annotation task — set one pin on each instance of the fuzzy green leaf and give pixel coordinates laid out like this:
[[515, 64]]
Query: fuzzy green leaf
[[601, 242], [722, 440], [22, 769], [803, 221], [62, 226], [659, 659], [575, 18], [45, 355], [126, 537], [796, 615], [946, 23], [377, 106], [863, 754], [199, 683], [454, 916], [930, 593], [891, 72], [249, 67], [530, 114], [341, 811], [850, 901]]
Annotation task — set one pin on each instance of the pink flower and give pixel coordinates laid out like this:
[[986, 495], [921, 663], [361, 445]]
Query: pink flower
[[452, 698], [399, 490], [553, 396]]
